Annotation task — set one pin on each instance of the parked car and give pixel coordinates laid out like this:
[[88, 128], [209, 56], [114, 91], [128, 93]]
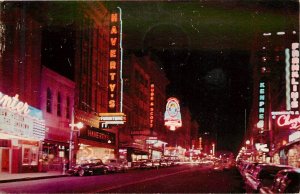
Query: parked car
[[163, 163], [285, 181], [117, 165], [262, 176], [89, 167], [145, 163], [156, 163], [218, 165], [176, 161], [249, 169]]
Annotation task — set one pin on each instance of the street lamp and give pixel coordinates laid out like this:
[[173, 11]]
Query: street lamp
[[78, 125], [248, 142]]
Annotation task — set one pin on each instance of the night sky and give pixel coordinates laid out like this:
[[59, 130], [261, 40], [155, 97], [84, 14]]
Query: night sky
[[205, 49]]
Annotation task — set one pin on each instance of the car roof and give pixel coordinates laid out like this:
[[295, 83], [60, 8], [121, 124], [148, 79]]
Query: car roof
[[296, 170]]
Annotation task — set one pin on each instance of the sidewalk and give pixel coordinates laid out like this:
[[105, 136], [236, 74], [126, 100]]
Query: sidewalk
[[7, 177]]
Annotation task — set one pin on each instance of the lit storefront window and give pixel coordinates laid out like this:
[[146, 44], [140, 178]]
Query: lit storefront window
[[30, 155]]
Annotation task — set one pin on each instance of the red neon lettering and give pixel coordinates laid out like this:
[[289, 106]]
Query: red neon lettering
[[285, 120], [114, 17]]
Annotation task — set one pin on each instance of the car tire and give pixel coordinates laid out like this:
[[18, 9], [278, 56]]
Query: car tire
[[81, 172]]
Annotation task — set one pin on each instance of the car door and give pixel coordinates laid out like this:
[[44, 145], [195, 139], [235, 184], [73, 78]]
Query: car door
[[98, 167]]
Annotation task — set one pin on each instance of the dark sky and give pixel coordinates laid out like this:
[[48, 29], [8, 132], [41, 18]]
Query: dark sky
[[205, 48]]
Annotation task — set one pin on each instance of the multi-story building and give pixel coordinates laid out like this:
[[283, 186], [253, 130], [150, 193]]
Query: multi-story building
[[91, 78], [57, 100], [144, 134], [79, 48], [21, 121], [137, 94], [275, 102], [79, 53]]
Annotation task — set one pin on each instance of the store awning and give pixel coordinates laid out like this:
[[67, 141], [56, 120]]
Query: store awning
[[286, 146]]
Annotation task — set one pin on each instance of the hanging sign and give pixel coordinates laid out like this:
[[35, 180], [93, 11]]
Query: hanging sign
[[172, 114]]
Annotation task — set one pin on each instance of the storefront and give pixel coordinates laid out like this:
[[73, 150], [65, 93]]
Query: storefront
[[21, 131], [289, 154], [156, 147], [54, 154], [133, 152], [95, 143]]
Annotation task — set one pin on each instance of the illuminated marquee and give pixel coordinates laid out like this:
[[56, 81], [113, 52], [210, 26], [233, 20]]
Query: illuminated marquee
[[261, 104], [113, 62], [151, 116], [13, 103], [294, 136], [19, 119], [172, 114], [295, 77], [112, 119]]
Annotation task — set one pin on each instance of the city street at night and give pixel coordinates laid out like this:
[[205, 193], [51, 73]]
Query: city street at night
[[178, 179], [167, 96]]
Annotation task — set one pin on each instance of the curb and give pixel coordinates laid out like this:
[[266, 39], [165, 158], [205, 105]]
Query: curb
[[31, 178]]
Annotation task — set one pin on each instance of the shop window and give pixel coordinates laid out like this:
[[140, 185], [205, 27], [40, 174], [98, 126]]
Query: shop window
[[68, 108], [30, 155], [58, 104], [49, 101]]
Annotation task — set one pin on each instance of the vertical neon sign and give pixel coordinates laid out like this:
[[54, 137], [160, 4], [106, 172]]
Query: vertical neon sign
[[287, 79], [261, 104], [113, 63], [151, 116], [295, 77], [121, 60]]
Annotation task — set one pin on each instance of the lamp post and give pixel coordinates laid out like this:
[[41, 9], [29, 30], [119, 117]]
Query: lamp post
[[78, 125]]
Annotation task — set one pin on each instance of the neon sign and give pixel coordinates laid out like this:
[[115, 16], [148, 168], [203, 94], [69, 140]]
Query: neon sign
[[286, 120], [287, 79], [295, 76], [151, 116], [113, 66], [19, 119], [112, 119], [261, 103], [13, 103], [172, 114]]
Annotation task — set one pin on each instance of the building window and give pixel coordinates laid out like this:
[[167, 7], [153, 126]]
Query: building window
[[49, 100], [68, 108], [58, 104], [29, 156]]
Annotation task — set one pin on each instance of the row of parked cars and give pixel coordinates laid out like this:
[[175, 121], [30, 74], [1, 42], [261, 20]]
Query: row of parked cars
[[148, 163], [97, 166], [269, 178]]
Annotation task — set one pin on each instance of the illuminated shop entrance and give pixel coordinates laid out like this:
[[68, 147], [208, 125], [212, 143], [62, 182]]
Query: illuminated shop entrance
[[87, 152], [4, 158]]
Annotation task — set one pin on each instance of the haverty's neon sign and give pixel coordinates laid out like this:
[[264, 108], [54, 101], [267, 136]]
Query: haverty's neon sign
[[286, 120], [13, 104]]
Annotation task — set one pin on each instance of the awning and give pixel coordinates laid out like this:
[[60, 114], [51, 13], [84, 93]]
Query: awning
[[135, 150], [286, 146]]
